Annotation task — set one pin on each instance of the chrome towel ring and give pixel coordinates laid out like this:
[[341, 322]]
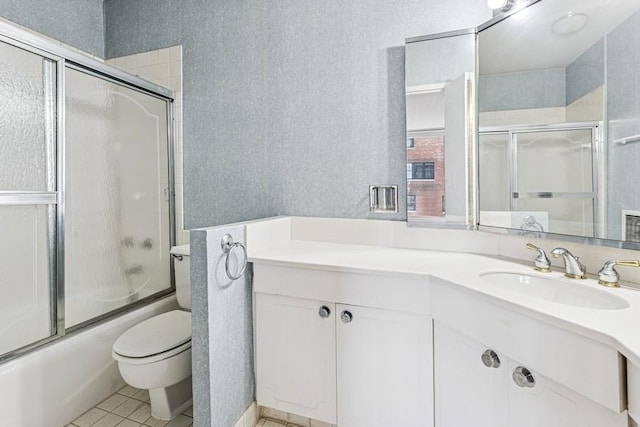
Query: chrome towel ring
[[228, 245]]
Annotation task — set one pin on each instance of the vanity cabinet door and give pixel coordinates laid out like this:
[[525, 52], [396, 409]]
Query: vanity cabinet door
[[467, 393], [550, 404], [384, 361], [296, 356], [541, 406]]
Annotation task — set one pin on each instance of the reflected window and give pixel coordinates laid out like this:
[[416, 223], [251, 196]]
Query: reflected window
[[411, 142], [411, 202], [423, 183], [423, 170]]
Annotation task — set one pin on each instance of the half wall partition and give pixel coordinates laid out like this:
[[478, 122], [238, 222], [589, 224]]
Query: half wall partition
[[86, 191]]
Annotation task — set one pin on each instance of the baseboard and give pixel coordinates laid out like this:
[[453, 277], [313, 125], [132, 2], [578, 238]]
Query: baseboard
[[249, 418]]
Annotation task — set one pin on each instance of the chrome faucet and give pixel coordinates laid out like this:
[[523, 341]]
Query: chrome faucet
[[608, 276], [541, 262], [574, 268]]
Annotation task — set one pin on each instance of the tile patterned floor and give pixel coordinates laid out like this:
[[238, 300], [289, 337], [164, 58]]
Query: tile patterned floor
[[128, 407]]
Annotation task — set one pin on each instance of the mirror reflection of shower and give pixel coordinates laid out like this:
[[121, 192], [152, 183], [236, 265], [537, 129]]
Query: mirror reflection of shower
[[541, 178], [565, 62]]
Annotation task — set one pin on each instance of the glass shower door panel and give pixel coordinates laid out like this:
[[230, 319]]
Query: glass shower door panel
[[554, 179], [24, 280], [117, 208], [554, 161], [27, 120], [494, 172], [494, 185]]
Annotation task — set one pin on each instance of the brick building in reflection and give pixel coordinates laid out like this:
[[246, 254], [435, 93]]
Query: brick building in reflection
[[425, 175]]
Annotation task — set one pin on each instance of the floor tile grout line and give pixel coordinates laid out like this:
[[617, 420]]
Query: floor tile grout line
[[128, 398]]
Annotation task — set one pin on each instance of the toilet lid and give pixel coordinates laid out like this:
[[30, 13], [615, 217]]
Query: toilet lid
[[155, 335]]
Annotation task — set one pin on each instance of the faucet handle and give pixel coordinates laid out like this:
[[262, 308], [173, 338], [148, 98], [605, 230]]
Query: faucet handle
[[608, 276], [541, 262]]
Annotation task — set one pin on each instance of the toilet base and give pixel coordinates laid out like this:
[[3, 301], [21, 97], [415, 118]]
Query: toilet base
[[168, 402]]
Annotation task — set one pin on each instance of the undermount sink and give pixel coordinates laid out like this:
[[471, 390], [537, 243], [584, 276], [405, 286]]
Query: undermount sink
[[556, 290]]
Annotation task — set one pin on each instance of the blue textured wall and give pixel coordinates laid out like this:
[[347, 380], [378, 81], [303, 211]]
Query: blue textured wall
[[441, 60], [78, 23], [526, 89], [222, 343], [586, 73], [553, 87], [200, 355], [623, 109], [290, 107]]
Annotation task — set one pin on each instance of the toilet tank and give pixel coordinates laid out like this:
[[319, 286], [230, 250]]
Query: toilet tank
[[181, 255]]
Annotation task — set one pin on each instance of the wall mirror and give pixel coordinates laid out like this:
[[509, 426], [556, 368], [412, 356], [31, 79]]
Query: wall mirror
[[559, 121], [439, 76]]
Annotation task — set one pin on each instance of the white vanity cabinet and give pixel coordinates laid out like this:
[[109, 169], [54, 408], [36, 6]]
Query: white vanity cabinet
[[344, 364], [360, 349]]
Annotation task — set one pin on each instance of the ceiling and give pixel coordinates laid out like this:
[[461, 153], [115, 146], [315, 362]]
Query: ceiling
[[525, 40]]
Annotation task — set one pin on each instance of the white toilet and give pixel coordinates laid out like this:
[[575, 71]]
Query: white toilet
[[156, 353]]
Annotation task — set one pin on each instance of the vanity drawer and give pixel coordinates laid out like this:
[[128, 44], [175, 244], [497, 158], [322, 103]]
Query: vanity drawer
[[588, 367], [409, 294]]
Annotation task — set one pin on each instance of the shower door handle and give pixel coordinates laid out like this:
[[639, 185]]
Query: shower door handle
[[534, 195]]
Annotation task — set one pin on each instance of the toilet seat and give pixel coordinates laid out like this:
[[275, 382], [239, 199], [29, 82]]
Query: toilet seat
[[155, 339], [151, 359]]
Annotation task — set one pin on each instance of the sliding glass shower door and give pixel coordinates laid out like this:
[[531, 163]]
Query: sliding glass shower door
[[86, 209], [117, 196], [28, 197]]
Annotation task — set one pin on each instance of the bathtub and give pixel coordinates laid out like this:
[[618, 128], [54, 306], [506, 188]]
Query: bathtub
[[52, 386]]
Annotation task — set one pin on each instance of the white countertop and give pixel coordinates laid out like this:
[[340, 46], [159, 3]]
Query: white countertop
[[618, 328]]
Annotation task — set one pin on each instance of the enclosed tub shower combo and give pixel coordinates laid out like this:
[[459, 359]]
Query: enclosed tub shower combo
[[86, 206]]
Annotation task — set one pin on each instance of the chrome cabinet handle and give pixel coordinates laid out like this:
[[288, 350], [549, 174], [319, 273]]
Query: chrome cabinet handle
[[490, 359], [523, 377], [346, 316], [324, 312]]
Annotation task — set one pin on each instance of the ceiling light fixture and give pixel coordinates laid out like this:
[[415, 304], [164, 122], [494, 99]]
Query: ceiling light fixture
[[500, 4], [569, 24]]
